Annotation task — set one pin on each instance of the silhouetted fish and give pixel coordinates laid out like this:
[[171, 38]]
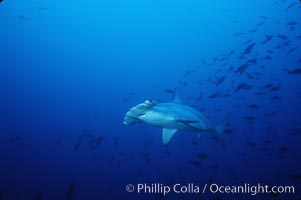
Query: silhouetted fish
[[296, 132], [39, 196], [98, 140], [242, 68], [188, 72], [231, 53], [253, 106], [195, 163], [249, 48], [268, 128], [169, 91], [22, 17], [294, 71], [251, 144], [202, 156], [42, 8], [260, 24], [296, 176], [275, 88], [147, 158], [237, 34], [228, 131], [76, 146], [243, 86], [15, 139], [292, 50], [70, 191], [290, 6], [250, 119], [275, 98], [282, 150], [215, 95], [283, 37], [267, 39], [221, 80], [214, 167], [195, 143]]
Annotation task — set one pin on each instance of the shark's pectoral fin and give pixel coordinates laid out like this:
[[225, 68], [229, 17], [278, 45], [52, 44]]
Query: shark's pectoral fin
[[167, 135]]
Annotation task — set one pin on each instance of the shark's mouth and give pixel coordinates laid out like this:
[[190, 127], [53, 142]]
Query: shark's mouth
[[129, 119]]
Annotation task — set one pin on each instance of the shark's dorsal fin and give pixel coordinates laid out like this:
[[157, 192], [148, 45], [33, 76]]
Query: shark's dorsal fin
[[176, 98], [167, 135]]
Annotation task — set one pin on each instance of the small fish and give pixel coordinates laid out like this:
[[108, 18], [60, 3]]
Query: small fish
[[98, 140], [296, 132], [15, 139], [22, 17], [214, 167], [253, 106], [39, 196], [268, 128], [188, 72], [259, 93], [296, 176], [215, 95], [76, 146], [249, 48], [237, 34], [70, 191], [283, 37], [294, 71], [260, 24], [169, 91], [291, 5], [268, 57], [243, 86], [282, 150], [228, 131], [292, 23], [202, 156], [221, 80], [292, 50], [195, 163], [275, 88], [242, 68], [274, 98], [251, 144], [267, 39], [250, 119], [252, 30], [147, 158], [231, 53], [42, 8]]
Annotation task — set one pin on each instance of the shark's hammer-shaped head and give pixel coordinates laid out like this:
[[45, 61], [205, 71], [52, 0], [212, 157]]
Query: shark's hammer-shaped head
[[138, 111]]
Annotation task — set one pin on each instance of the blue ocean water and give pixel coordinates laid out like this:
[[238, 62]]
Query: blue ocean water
[[70, 70]]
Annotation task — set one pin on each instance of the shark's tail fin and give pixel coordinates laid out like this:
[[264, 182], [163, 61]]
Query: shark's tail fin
[[217, 134]]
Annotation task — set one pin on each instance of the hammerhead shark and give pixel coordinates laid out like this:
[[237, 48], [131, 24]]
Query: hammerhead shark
[[172, 116]]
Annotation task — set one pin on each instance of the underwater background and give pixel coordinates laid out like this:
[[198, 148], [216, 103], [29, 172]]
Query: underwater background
[[70, 70]]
